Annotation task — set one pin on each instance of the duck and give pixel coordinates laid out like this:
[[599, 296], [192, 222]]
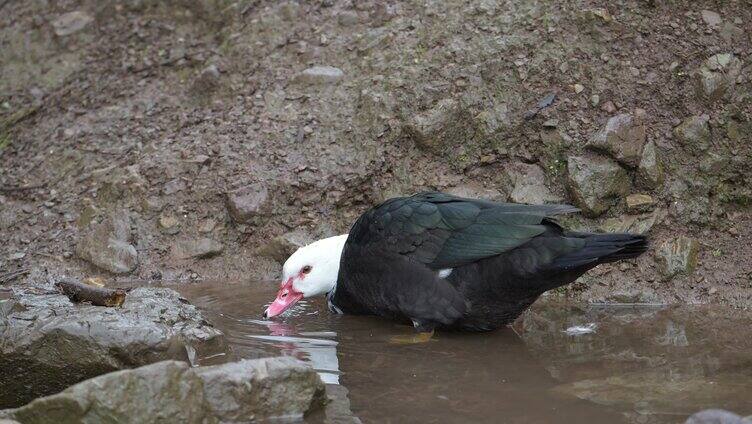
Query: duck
[[437, 261]]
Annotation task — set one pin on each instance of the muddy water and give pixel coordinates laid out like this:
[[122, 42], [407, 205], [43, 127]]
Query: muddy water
[[628, 364]]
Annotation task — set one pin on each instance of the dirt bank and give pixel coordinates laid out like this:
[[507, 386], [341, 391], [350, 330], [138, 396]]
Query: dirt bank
[[151, 141]]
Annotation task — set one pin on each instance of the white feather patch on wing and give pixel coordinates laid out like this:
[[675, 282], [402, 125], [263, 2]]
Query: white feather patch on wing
[[444, 273]]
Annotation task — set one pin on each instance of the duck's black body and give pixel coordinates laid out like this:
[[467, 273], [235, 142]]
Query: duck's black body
[[502, 256]]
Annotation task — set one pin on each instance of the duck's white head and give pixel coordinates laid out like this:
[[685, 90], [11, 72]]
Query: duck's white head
[[310, 271]]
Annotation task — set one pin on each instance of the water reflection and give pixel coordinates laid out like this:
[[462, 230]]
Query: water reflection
[[559, 363]]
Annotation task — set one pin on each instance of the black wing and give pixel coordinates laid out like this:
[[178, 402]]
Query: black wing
[[445, 231]]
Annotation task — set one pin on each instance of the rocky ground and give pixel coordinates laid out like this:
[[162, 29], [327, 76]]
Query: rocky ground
[[195, 140]]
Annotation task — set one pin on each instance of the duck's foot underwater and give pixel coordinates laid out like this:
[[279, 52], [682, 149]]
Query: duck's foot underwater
[[415, 338]]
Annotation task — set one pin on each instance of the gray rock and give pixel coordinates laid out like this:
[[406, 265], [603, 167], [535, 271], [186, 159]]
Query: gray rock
[[530, 185], [107, 245], [320, 75], [640, 202], [171, 391], [261, 388], [716, 416], [694, 133], [622, 138], [48, 339], [347, 18], [71, 23], [717, 76], [247, 204], [712, 19], [595, 182], [281, 247], [198, 248], [477, 191], [442, 129], [650, 172], [678, 256], [206, 82], [638, 224]]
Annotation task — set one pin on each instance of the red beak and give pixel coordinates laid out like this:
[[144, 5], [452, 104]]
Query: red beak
[[286, 297]]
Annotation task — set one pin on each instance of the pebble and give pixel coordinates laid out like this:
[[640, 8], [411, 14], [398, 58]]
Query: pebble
[[320, 75], [578, 88], [609, 107], [712, 19], [71, 23], [595, 99]]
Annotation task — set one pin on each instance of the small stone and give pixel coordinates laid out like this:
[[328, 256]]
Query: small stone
[[595, 182], [320, 75], [650, 172], [717, 76], [248, 204], [694, 133], [16, 256], [678, 256], [638, 224], [71, 23], [640, 203], [733, 231], [608, 107], [107, 245], [712, 19], [280, 248], [199, 248], [207, 226], [595, 100], [712, 291], [439, 129], [530, 185], [347, 18], [623, 138], [578, 88], [206, 82], [169, 224]]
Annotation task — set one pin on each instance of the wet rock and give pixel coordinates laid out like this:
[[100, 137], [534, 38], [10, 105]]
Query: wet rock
[[280, 248], [640, 203], [530, 185], [245, 391], [650, 172], [716, 416], [320, 75], [717, 76], [678, 256], [249, 203], [46, 338], [261, 388], [107, 245], [694, 133], [595, 182], [622, 138], [198, 248], [71, 23]]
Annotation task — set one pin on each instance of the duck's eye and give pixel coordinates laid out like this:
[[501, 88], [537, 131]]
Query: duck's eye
[[306, 269]]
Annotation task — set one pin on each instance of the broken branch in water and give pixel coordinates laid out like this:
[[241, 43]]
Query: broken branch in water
[[99, 296]]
